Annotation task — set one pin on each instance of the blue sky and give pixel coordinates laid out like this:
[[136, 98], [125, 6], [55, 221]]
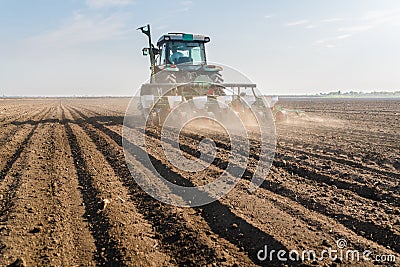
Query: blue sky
[[78, 47]]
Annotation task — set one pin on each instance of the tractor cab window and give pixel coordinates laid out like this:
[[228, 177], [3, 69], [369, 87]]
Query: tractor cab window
[[162, 58], [186, 53]]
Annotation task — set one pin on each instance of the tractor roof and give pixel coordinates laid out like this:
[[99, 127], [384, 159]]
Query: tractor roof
[[187, 37]]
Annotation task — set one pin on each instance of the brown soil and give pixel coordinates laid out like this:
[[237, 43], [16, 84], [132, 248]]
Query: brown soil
[[67, 197]]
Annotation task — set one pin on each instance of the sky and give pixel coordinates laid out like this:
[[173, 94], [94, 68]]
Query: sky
[[91, 47]]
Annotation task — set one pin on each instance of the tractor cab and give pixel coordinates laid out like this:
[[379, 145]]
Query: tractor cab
[[182, 48], [180, 58]]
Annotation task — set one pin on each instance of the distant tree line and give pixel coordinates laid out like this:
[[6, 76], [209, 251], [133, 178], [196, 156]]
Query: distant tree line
[[355, 94]]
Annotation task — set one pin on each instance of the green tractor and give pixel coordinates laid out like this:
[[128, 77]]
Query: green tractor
[[180, 73]]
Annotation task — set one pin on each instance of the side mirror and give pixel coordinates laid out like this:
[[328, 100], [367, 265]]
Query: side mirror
[[145, 51]]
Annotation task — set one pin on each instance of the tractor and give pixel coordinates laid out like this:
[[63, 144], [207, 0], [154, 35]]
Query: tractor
[[180, 73]]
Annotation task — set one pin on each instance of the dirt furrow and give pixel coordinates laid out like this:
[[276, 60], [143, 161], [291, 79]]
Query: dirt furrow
[[361, 153], [12, 149], [218, 216], [307, 171], [333, 139], [10, 114], [260, 210], [127, 232], [367, 226], [312, 172], [8, 131], [342, 146], [379, 233], [23, 111], [31, 224], [183, 231], [189, 148], [68, 196], [331, 158], [107, 250]]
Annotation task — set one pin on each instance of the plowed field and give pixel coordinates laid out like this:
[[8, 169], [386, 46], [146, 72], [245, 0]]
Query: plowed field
[[67, 197]]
